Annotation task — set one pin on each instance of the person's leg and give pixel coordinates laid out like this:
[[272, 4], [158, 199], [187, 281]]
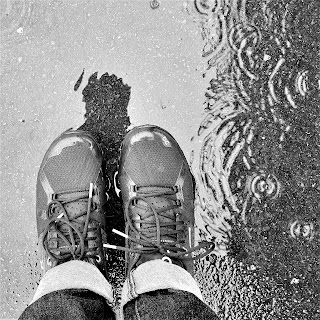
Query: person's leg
[[157, 190], [159, 290], [71, 227], [72, 290], [69, 304]]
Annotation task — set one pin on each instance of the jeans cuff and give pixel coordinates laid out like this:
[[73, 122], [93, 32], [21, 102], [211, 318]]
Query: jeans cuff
[[75, 274], [155, 275]]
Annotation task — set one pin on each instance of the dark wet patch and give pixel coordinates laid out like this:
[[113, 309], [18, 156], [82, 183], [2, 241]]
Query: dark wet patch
[[260, 152], [78, 83], [106, 101]]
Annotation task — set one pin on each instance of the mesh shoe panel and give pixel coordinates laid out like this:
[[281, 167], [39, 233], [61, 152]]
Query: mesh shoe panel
[[151, 163], [65, 165]]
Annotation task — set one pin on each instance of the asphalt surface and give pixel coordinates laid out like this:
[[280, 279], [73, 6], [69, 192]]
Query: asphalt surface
[[270, 266]]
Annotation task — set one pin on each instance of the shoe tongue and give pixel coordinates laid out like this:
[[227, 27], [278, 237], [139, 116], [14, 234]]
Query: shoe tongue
[[73, 204], [73, 210], [165, 217]]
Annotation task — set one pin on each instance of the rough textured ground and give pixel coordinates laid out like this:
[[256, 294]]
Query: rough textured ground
[[255, 280]]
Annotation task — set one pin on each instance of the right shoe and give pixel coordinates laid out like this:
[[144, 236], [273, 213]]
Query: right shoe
[[157, 191]]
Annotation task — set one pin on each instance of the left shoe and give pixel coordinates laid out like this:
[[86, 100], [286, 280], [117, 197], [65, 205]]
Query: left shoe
[[70, 202]]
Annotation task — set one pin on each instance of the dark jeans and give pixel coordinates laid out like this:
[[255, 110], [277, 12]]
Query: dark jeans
[[82, 304]]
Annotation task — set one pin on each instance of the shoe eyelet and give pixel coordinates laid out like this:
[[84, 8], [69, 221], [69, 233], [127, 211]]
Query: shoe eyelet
[[99, 258], [49, 262], [175, 189], [54, 196], [178, 203], [166, 259]]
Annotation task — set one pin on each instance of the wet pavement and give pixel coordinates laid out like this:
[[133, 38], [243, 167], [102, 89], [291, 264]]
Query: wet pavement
[[44, 48], [237, 84]]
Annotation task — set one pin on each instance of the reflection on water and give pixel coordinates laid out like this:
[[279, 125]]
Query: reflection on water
[[256, 153]]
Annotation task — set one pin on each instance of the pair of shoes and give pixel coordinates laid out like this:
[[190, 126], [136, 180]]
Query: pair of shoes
[[157, 191]]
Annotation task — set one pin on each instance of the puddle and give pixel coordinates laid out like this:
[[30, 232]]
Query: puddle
[[258, 140], [256, 153]]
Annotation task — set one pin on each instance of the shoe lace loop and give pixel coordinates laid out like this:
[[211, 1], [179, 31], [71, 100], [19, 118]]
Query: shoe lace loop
[[59, 216], [149, 235]]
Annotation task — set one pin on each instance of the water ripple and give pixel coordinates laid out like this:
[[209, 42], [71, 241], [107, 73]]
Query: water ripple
[[260, 111]]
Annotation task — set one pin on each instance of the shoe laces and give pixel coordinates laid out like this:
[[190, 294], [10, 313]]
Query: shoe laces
[[72, 247], [149, 238]]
